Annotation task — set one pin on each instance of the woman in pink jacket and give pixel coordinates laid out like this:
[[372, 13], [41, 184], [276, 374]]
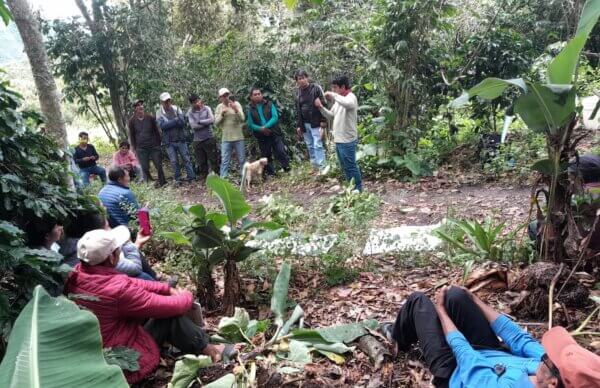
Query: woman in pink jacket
[[135, 313]]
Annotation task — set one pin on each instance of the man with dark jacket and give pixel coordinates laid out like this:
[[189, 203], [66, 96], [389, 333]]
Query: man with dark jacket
[[308, 118], [144, 137], [263, 121], [85, 157], [201, 119], [171, 121]]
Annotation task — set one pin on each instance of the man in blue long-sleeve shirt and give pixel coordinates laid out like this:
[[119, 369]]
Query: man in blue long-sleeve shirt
[[263, 120], [117, 197], [459, 336]]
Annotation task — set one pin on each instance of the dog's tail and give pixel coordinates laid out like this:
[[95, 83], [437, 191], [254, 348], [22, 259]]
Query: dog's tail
[[244, 173]]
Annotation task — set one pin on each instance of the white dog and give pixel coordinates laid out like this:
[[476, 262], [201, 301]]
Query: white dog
[[253, 170]]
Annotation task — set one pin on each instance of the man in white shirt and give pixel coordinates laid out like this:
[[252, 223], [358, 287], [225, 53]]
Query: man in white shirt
[[344, 115]]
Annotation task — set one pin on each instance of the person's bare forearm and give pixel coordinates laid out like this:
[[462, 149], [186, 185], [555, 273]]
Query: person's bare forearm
[[490, 314], [447, 324]]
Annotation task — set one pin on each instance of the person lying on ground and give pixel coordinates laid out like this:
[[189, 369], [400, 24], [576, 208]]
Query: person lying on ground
[[86, 158], [117, 197], [459, 337], [126, 159], [131, 261], [122, 304]]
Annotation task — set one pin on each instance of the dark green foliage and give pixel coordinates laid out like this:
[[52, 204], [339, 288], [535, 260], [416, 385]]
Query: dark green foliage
[[33, 173]]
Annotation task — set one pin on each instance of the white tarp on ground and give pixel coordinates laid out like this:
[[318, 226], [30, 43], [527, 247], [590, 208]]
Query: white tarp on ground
[[589, 103], [314, 245], [403, 238]]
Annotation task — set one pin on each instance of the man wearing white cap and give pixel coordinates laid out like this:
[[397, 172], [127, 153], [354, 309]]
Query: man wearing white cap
[[122, 304], [229, 116], [171, 121]]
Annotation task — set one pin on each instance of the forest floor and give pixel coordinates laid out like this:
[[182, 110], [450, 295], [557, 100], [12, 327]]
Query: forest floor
[[379, 292]]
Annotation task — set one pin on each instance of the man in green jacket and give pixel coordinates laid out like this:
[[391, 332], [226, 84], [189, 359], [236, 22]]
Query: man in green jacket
[[263, 120]]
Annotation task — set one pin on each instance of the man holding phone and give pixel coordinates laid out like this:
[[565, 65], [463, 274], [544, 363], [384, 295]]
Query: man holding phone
[[229, 116]]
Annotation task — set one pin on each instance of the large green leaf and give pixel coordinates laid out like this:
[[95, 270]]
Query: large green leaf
[[231, 198], [280, 292], [545, 110], [55, 344], [207, 236], [489, 89], [4, 13], [186, 370], [226, 381], [562, 69], [296, 315], [123, 357], [177, 237], [335, 334], [299, 353], [234, 328]]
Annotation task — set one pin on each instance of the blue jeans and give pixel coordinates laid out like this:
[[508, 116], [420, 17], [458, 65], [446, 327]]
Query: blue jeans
[[85, 173], [226, 148], [145, 276], [180, 148], [314, 143], [346, 153]]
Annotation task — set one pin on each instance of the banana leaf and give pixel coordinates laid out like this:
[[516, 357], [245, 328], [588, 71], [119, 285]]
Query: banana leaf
[[55, 344]]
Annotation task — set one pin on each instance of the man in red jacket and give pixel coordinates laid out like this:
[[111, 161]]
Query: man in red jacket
[[123, 304]]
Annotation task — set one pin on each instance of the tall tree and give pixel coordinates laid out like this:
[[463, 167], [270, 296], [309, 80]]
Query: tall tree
[[48, 93], [96, 21]]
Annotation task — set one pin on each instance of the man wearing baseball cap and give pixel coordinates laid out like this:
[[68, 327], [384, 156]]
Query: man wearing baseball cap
[[460, 335], [171, 121], [122, 304], [229, 116]]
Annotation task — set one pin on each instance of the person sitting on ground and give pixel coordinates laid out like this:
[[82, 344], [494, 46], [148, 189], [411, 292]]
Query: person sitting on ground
[[43, 233], [131, 262], [122, 304], [85, 157], [458, 336], [125, 158], [117, 197]]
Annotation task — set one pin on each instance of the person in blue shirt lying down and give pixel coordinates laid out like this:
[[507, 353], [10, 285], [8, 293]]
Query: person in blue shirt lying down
[[459, 337]]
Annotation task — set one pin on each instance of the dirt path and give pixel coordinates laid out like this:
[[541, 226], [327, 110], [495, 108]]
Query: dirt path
[[423, 203]]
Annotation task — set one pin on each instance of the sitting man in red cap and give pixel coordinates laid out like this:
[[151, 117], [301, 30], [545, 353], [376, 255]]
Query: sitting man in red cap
[[459, 337], [122, 304]]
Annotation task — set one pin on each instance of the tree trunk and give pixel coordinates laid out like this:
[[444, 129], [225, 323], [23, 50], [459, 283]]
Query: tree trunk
[[231, 296], [205, 286], [48, 93]]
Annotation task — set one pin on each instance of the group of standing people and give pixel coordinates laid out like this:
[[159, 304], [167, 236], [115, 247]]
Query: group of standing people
[[316, 111]]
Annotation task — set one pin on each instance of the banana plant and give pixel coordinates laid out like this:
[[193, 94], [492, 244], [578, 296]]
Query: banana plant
[[220, 238], [56, 344], [550, 107]]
